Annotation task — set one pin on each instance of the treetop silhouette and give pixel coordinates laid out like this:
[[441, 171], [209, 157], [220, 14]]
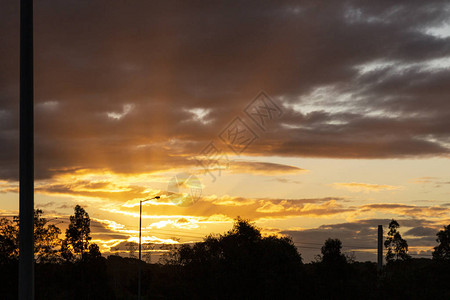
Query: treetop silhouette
[[397, 247]]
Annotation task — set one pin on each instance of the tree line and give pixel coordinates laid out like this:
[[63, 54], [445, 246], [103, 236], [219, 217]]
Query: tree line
[[239, 264], [48, 246]]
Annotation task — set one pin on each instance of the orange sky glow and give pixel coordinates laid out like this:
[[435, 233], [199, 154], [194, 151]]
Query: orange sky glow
[[314, 120]]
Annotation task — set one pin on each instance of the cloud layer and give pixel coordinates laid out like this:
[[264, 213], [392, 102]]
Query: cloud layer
[[140, 87]]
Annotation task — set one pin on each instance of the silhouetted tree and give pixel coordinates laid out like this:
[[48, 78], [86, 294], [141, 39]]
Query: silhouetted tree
[[442, 251], [9, 244], [333, 271], [46, 239], [241, 264], [92, 253], [77, 238], [397, 247], [331, 252]]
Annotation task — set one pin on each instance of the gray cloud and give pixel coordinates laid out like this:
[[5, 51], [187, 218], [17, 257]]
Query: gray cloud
[[165, 59], [422, 231]]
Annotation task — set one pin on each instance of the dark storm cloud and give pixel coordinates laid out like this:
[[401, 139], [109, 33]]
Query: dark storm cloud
[[150, 64]]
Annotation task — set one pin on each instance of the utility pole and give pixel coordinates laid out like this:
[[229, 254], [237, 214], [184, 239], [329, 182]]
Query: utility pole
[[380, 248], [26, 185]]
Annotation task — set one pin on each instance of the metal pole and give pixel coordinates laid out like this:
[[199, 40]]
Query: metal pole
[[380, 248], [140, 227], [26, 195], [140, 266]]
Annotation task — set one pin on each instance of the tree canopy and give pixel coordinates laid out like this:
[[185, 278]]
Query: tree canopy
[[46, 238], [76, 245], [9, 243], [48, 247], [397, 247], [442, 251], [242, 263], [331, 252], [241, 260]]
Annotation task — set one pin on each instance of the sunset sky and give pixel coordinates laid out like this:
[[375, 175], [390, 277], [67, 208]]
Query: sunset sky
[[129, 94]]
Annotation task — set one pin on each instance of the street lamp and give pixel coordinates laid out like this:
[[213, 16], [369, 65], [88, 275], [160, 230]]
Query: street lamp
[[140, 228]]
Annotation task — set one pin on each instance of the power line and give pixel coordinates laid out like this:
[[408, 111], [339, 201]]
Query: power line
[[177, 233], [353, 248], [346, 246], [315, 248], [167, 234], [158, 231]]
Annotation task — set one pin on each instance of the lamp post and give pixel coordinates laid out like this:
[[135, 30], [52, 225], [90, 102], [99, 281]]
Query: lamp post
[[140, 228]]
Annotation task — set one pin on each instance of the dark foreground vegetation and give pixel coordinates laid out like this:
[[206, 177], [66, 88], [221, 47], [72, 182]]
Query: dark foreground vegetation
[[241, 264]]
